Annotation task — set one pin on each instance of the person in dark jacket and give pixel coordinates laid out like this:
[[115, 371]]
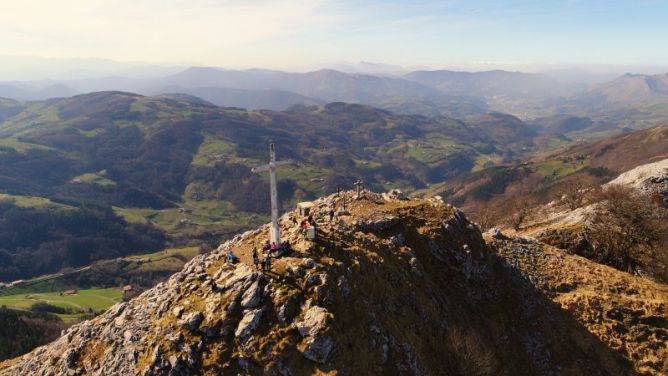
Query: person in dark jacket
[[256, 259]]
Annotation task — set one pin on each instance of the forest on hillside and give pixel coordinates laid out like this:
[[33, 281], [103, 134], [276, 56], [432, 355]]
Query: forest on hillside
[[35, 241]]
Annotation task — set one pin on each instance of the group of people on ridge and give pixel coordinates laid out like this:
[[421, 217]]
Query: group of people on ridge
[[271, 249], [312, 222]]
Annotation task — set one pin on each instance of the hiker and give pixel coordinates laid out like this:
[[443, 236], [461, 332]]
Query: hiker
[[256, 259], [274, 248], [267, 262], [331, 215], [304, 226], [266, 247], [231, 257]]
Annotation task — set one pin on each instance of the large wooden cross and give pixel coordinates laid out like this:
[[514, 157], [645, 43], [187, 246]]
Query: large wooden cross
[[359, 184], [272, 166]]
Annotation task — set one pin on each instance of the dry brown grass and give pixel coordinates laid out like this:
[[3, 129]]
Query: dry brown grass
[[471, 353]]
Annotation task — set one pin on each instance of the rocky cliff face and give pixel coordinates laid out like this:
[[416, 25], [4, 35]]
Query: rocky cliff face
[[398, 286]]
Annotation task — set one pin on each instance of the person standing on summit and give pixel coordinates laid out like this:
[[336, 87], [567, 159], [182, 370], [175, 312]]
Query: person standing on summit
[[256, 259], [267, 263]]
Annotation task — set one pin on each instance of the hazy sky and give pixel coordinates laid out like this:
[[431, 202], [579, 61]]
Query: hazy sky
[[300, 33]]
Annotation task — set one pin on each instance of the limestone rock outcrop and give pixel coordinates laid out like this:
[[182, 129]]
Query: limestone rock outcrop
[[401, 287]]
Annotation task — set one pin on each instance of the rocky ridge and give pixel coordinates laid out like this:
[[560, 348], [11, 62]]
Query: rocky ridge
[[396, 286], [651, 178]]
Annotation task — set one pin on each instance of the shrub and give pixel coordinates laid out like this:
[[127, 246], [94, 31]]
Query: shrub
[[629, 231], [470, 353]]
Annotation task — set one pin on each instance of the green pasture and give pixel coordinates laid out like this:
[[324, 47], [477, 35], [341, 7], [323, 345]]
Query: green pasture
[[83, 300]]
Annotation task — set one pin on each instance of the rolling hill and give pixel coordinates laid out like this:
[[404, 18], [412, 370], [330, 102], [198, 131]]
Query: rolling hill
[[179, 166], [499, 191], [243, 98], [633, 89]]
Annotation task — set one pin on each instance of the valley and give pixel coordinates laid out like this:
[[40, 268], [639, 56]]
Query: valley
[[333, 188], [114, 189]]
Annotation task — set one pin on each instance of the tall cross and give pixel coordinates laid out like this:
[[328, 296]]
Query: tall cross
[[272, 166], [359, 185]]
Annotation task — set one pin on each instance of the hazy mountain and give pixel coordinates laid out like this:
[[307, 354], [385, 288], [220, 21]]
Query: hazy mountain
[[492, 83], [328, 85], [23, 91], [365, 67], [562, 123], [633, 89], [502, 128], [244, 98], [429, 93]]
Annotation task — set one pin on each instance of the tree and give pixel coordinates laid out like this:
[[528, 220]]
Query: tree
[[574, 194], [522, 212], [628, 231]]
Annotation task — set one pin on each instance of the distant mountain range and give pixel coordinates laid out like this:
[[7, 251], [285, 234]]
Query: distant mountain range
[[23, 91], [633, 89], [429, 93]]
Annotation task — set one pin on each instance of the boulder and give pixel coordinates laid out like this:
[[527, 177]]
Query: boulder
[[252, 297], [496, 233], [248, 323], [379, 222], [314, 321], [318, 348], [192, 320], [394, 194], [308, 263]]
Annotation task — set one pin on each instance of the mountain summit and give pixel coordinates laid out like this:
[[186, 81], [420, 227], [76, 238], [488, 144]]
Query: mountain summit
[[390, 286]]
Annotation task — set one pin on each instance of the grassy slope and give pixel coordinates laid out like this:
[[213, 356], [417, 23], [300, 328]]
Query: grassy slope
[[539, 178], [169, 260], [95, 299], [626, 312]]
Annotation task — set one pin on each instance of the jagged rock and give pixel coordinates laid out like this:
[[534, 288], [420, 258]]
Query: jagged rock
[[398, 240], [177, 311], [308, 263], [288, 310], [249, 322], [252, 296], [314, 321], [156, 358], [318, 348], [297, 271], [378, 223], [192, 320], [70, 357], [316, 279], [496, 233], [394, 194]]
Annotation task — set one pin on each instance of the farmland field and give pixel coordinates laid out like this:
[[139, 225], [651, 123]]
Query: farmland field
[[83, 300]]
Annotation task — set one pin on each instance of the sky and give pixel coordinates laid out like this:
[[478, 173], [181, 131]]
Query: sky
[[298, 34]]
